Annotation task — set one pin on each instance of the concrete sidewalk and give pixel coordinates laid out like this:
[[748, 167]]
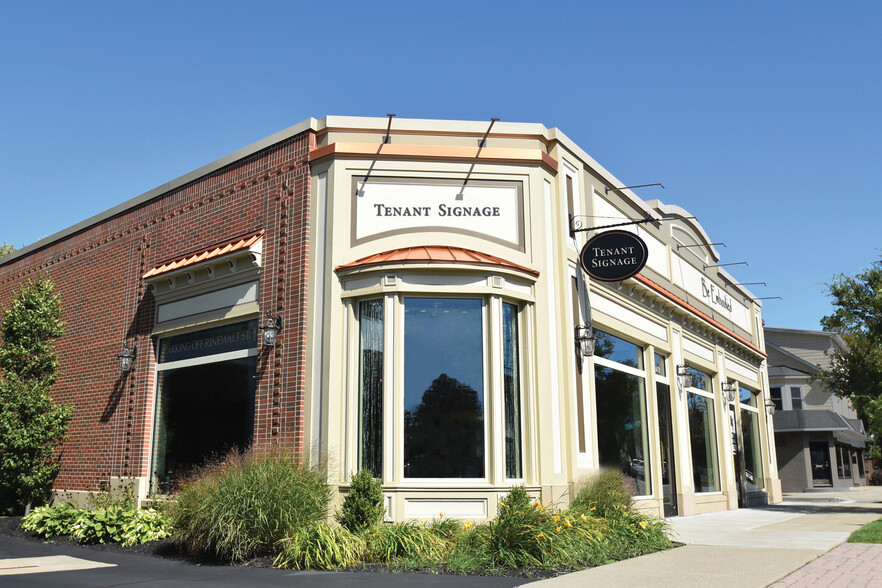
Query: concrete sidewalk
[[756, 547]]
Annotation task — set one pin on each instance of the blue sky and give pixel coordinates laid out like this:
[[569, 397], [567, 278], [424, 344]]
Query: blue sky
[[760, 118]]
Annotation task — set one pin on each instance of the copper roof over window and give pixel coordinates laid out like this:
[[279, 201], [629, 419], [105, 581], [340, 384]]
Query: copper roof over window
[[225, 248], [435, 254]]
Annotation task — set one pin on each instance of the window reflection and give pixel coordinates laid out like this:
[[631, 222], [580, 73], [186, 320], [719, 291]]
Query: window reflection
[[371, 397], [443, 388], [618, 350], [702, 439], [621, 426], [511, 391]]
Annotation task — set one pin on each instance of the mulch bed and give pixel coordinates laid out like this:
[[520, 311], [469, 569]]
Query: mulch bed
[[168, 549]]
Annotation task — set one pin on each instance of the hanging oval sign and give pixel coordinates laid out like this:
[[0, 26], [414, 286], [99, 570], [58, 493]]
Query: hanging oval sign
[[613, 256]]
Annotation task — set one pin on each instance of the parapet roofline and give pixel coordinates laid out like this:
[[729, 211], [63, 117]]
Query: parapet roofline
[[367, 124]]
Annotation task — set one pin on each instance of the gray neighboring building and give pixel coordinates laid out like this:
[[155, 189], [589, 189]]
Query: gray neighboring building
[[819, 439]]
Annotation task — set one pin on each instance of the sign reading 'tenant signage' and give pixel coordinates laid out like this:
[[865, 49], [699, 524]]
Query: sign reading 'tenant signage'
[[614, 256]]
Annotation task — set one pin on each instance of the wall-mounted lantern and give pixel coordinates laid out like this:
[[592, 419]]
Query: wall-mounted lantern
[[770, 407], [585, 340], [685, 375], [270, 330], [730, 389], [127, 357]]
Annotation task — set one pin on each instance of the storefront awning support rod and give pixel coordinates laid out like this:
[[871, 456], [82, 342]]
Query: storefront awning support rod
[[699, 245], [725, 264], [576, 224], [388, 136], [483, 142], [607, 188]]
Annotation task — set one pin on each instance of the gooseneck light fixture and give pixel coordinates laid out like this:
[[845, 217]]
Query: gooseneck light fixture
[[127, 357], [585, 340], [270, 329]]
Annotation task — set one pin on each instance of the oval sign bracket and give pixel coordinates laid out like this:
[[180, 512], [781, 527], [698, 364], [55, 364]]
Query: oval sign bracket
[[613, 256]]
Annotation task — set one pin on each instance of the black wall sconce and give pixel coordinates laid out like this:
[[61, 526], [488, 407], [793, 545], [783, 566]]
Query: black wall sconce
[[585, 340], [685, 376], [270, 330], [127, 357], [729, 389]]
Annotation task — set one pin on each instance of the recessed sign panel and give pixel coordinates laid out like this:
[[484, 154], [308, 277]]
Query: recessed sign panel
[[613, 256]]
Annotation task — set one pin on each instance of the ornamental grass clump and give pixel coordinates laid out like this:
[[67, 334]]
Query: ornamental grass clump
[[320, 547], [602, 494], [405, 541], [239, 507]]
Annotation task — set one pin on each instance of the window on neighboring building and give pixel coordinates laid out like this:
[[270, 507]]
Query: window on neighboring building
[[702, 433], [620, 396], [843, 459], [775, 396], [796, 398]]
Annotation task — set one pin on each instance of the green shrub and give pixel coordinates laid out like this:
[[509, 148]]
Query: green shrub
[[102, 525], [408, 540], [320, 547], [240, 506], [602, 494], [112, 524], [146, 525], [363, 507], [49, 521]]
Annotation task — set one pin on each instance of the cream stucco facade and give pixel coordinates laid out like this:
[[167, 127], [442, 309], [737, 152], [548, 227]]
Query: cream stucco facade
[[384, 230]]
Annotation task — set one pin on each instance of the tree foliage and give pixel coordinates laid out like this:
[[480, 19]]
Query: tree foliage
[[31, 424], [6, 248], [856, 372]]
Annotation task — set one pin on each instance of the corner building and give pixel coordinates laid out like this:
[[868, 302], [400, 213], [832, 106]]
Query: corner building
[[429, 289]]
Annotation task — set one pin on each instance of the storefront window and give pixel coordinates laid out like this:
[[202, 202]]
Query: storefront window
[[205, 398], [620, 396], [511, 391], [702, 434], [370, 442], [443, 388], [753, 468]]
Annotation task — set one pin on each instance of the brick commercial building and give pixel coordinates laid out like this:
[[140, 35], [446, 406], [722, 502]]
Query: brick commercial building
[[426, 277]]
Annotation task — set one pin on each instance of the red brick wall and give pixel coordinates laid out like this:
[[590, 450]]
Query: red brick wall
[[98, 270]]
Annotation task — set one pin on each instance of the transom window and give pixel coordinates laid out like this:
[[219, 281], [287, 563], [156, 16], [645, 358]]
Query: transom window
[[702, 433]]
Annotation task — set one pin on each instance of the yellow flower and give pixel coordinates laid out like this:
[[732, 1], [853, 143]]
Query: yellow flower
[[441, 514], [643, 524], [466, 525], [557, 529], [593, 508], [584, 518], [567, 523], [556, 517], [540, 535]]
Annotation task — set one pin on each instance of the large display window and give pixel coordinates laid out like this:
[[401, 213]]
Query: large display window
[[622, 423], [204, 400], [702, 433], [750, 431], [449, 387]]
